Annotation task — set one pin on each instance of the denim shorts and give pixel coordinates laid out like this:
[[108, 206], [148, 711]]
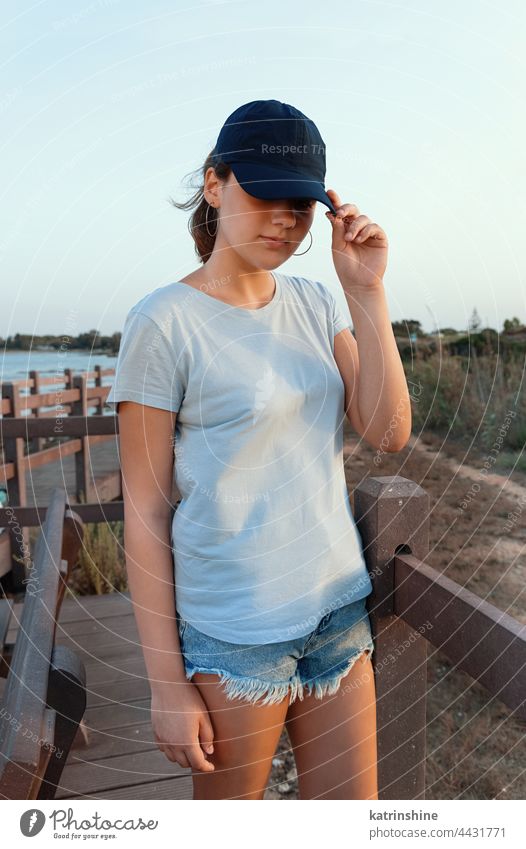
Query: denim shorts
[[267, 673]]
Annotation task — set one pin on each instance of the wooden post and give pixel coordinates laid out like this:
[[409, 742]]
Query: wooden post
[[68, 379], [16, 492], [98, 382], [37, 443], [392, 513], [82, 464]]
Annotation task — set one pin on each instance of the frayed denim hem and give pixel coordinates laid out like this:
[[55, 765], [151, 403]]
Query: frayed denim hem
[[253, 689], [329, 686]]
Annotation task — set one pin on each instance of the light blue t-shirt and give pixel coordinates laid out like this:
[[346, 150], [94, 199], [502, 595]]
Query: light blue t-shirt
[[264, 539]]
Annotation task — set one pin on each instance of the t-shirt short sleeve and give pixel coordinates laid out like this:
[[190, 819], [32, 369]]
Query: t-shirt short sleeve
[[147, 369], [339, 321], [336, 319]]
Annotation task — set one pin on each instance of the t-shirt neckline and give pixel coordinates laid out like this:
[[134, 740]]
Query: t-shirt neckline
[[240, 310]]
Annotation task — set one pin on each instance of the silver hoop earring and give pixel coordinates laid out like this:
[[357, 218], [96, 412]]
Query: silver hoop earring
[[206, 222], [308, 249]]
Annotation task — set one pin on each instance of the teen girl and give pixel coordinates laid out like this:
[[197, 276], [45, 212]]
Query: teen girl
[[245, 376]]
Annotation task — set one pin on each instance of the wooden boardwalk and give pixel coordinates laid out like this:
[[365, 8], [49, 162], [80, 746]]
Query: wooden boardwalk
[[104, 467], [121, 761], [103, 460]]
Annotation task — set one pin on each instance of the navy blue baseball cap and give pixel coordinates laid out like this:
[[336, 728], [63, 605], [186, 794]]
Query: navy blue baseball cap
[[275, 152]]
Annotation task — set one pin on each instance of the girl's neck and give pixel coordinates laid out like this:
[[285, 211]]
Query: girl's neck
[[236, 281]]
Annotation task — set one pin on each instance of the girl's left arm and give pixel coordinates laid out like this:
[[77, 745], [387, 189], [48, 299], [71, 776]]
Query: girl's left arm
[[377, 399]]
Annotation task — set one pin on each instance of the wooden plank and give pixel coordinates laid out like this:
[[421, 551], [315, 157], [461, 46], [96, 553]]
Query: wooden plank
[[174, 788], [109, 716], [120, 741], [107, 655], [26, 691], [5, 616], [131, 662], [7, 470], [38, 459], [110, 773], [179, 788], [109, 636], [85, 626], [43, 484], [96, 606], [47, 399], [478, 638], [76, 425], [132, 666], [124, 691]]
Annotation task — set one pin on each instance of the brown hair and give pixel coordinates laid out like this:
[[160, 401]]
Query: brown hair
[[204, 242]]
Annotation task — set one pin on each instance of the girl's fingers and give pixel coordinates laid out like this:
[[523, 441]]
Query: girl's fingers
[[342, 209], [182, 760], [374, 231], [348, 210], [197, 759], [334, 198], [370, 231], [349, 224], [345, 210], [206, 734], [357, 226]]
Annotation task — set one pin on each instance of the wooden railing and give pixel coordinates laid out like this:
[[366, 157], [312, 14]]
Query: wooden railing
[[411, 606], [13, 401], [24, 452], [77, 397], [45, 693]]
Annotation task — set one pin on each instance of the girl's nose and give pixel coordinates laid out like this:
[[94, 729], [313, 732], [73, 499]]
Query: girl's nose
[[283, 213]]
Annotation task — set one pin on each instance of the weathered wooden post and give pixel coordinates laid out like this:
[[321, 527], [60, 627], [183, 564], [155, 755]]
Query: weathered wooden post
[[68, 380], [14, 453], [82, 461], [98, 382], [37, 443], [392, 513]]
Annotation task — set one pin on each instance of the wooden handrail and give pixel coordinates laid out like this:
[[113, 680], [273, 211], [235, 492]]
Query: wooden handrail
[[27, 427], [76, 434], [475, 635], [23, 755], [45, 693]]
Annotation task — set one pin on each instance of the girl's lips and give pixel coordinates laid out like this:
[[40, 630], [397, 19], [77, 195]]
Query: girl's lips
[[278, 243]]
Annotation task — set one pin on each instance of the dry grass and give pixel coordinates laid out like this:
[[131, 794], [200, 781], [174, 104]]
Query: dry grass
[[468, 400], [102, 567]]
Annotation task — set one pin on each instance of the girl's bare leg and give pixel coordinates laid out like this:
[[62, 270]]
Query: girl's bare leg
[[245, 740], [334, 738]]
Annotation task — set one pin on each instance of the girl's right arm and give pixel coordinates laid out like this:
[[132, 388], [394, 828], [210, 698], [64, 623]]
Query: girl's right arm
[[180, 719]]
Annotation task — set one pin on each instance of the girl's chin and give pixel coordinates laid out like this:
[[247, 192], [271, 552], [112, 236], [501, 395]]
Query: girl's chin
[[263, 257]]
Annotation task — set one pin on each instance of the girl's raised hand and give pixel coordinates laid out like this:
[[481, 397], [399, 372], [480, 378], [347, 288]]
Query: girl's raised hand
[[359, 246]]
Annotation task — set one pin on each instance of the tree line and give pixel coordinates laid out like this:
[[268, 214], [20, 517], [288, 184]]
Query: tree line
[[408, 332]]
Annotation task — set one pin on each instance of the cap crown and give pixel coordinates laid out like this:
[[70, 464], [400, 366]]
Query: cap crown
[[268, 132]]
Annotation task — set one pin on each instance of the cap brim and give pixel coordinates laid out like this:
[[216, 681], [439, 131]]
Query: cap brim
[[269, 183]]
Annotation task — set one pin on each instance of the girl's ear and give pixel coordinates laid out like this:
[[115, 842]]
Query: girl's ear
[[211, 187]]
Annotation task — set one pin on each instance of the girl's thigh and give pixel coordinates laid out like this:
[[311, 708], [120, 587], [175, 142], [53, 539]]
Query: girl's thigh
[[245, 740], [334, 738]]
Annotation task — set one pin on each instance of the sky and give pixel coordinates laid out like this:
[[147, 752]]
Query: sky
[[105, 106]]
